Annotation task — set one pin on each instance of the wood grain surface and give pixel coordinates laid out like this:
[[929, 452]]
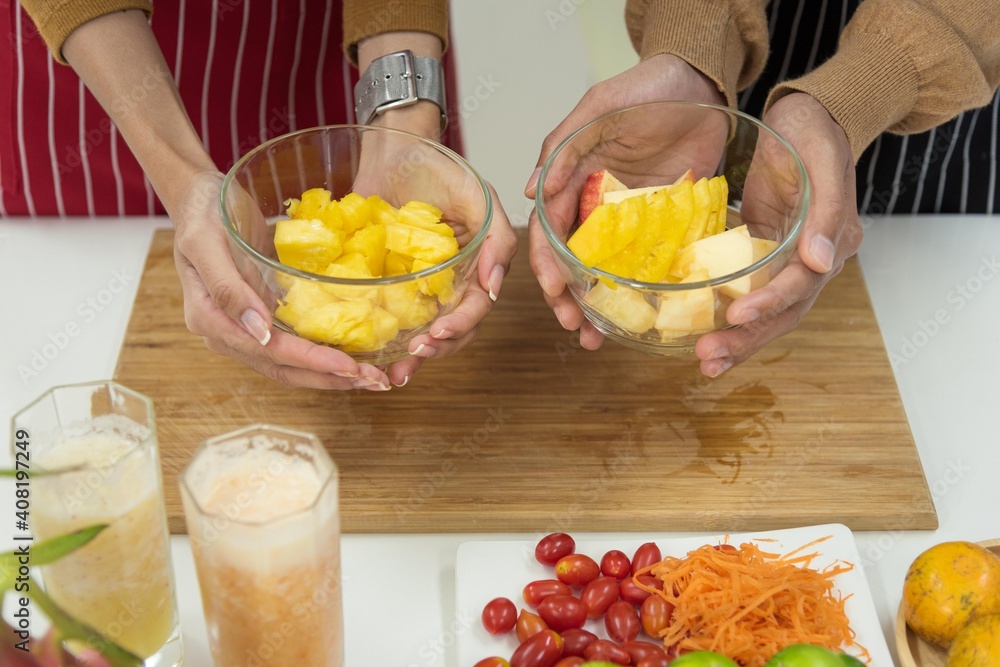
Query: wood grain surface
[[525, 431]]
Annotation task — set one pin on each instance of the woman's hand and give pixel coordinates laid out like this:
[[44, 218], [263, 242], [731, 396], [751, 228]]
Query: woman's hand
[[663, 77], [832, 233]]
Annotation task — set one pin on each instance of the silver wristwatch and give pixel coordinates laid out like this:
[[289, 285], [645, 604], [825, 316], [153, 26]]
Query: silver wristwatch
[[398, 80]]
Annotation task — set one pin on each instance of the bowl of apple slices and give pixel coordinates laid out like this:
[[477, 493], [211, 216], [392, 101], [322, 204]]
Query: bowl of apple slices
[[663, 214]]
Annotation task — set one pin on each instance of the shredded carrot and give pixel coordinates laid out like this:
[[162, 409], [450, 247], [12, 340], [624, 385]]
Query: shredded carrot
[[749, 604]]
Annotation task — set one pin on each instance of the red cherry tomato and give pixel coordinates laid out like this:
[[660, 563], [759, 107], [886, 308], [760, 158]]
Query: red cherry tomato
[[572, 661], [622, 622], [607, 651], [654, 661], [632, 593], [543, 650], [492, 662], [537, 591], [552, 547], [615, 564], [598, 595], [645, 556], [576, 641], [528, 625], [499, 616], [640, 651], [655, 615], [563, 612], [577, 570]]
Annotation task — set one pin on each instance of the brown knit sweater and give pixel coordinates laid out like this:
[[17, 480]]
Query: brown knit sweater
[[902, 65]]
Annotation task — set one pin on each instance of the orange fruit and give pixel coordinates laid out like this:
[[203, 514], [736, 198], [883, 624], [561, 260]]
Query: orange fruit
[[949, 585], [977, 645]]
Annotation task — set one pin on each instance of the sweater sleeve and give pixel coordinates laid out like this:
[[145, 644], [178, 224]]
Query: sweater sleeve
[[57, 19], [726, 40], [364, 18], [906, 66]]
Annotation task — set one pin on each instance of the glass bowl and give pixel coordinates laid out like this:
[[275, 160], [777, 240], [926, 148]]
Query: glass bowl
[[654, 144], [371, 319]]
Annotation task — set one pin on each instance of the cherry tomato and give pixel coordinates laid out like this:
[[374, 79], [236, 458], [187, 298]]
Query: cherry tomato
[[528, 625], [640, 651], [622, 622], [542, 650], [572, 661], [655, 615], [552, 547], [577, 570], [492, 662], [607, 651], [537, 591], [629, 592], [598, 595], [615, 564], [576, 641], [563, 612], [645, 556], [499, 616], [654, 661]]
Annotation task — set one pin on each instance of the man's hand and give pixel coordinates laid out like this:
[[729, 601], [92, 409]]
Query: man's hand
[[832, 234]]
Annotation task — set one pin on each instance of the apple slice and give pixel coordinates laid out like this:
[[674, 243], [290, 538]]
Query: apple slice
[[761, 249], [598, 183], [623, 306], [720, 255], [691, 311]]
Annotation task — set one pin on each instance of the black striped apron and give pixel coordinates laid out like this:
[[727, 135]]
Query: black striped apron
[[949, 169]]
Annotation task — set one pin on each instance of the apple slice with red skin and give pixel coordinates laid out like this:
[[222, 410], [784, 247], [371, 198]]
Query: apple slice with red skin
[[593, 191]]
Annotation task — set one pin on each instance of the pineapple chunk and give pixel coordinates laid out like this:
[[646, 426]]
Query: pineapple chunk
[[302, 297], [339, 323], [370, 243], [607, 231], [382, 211], [720, 201], [308, 245], [419, 243], [397, 265], [356, 211], [702, 191], [353, 266], [312, 204], [440, 284], [424, 216], [408, 305], [679, 207], [623, 306], [386, 326]]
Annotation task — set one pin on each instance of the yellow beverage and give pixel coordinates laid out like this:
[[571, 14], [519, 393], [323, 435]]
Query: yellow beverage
[[120, 584], [265, 533]]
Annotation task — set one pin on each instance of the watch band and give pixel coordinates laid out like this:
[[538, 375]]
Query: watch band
[[398, 80]]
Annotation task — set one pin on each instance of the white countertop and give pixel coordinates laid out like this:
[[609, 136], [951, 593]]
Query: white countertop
[[919, 269]]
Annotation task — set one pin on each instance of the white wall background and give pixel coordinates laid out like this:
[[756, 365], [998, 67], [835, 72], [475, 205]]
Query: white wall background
[[523, 65]]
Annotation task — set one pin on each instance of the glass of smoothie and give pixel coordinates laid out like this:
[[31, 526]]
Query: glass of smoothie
[[263, 515], [94, 459]]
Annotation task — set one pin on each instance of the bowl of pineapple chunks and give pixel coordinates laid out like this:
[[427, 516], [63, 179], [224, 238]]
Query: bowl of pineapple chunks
[[662, 214], [356, 237]]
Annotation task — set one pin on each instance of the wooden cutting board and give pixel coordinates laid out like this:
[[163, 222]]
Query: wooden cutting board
[[525, 431]]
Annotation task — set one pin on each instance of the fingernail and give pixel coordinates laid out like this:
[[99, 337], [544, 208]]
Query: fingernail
[[442, 334], [496, 281], [403, 383], [532, 181], [822, 250], [722, 368], [424, 351], [346, 374], [371, 383], [255, 326], [748, 315], [719, 353]]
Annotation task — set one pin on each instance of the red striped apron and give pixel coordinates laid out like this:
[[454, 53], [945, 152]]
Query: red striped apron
[[247, 71]]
